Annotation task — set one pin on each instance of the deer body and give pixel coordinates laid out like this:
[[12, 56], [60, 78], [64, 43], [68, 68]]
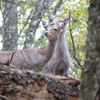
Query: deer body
[[32, 58], [60, 61]]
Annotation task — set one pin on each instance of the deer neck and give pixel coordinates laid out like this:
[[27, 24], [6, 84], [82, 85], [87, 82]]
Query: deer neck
[[61, 46], [48, 51]]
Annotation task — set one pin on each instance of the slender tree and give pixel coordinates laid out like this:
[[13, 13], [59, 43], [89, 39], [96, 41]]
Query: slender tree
[[40, 9], [10, 34], [90, 87], [54, 12]]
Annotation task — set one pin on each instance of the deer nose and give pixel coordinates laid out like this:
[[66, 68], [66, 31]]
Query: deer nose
[[46, 33]]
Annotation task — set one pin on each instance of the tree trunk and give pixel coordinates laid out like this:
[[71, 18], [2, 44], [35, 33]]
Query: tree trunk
[[10, 34], [41, 7], [54, 12], [90, 89], [27, 85], [57, 7]]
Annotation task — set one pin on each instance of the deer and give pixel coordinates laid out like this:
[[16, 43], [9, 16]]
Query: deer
[[59, 64], [32, 58]]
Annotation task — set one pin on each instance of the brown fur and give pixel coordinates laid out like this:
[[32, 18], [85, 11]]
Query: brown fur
[[32, 58]]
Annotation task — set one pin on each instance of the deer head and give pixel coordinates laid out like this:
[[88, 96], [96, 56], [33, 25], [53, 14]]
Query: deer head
[[52, 32], [61, 22]]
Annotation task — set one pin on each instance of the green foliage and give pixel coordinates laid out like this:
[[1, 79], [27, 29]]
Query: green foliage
[[78, 25]]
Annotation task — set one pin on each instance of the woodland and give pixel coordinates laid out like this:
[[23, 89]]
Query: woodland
[[23, 26]]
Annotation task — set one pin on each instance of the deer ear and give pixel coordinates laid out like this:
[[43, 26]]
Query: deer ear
[[51, 17], [67, 17], [61, 25], [45, 24]]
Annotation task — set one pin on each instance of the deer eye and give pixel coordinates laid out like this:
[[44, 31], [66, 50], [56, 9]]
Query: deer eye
[[55, 29], [52, 24]]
